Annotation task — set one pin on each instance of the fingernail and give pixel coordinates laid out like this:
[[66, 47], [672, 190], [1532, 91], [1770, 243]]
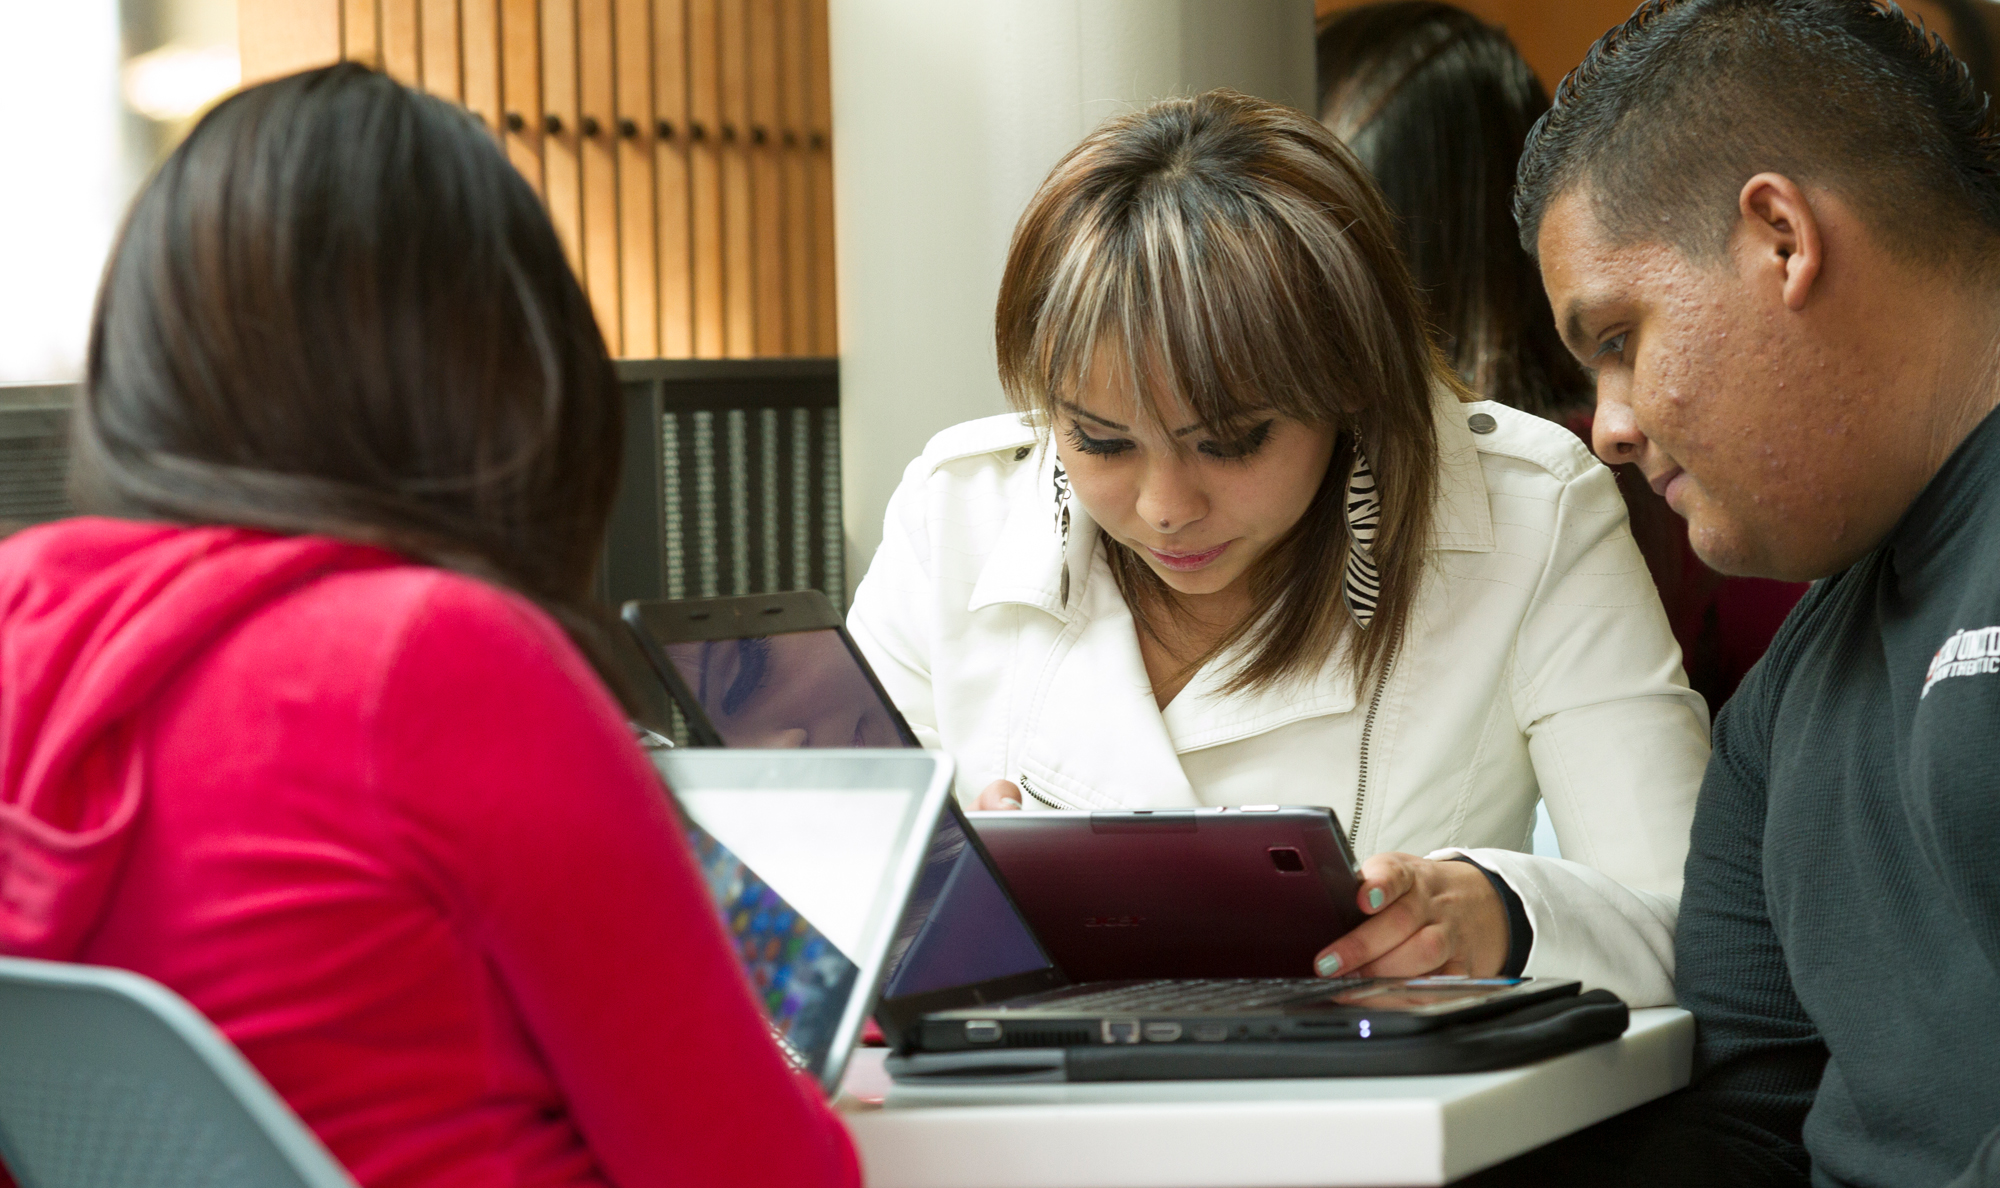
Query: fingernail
[[1010, 802], [1328, 965], [1375, 899]]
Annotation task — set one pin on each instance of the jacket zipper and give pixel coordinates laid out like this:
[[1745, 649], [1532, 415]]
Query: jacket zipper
[[1030, 790], [1367, 737]]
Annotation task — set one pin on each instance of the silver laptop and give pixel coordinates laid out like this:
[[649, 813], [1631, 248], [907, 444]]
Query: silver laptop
[[810, 857]]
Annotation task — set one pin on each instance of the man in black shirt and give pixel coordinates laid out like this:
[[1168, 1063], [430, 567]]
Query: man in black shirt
[[1772, 228]]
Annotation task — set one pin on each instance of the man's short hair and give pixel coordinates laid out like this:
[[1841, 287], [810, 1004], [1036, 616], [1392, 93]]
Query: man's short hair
[[1672, 112]]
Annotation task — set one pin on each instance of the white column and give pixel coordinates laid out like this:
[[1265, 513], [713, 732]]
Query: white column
[[947, 114], [66, 187]]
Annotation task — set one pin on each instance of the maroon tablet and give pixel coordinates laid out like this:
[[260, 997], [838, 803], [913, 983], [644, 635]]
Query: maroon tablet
[[1249, 892]]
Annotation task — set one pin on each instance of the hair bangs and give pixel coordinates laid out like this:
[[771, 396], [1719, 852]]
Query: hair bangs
[[1219, 309], [1237, 258]]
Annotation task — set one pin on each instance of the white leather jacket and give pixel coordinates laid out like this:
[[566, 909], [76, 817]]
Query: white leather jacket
[[1538, 663]]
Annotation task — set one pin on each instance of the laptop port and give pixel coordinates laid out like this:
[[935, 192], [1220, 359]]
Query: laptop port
[[981, 1031], [1162, 1033], [1121, 1031], [1210, 1033]]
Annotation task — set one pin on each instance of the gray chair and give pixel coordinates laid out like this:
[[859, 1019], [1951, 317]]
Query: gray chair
[[111, 1080]]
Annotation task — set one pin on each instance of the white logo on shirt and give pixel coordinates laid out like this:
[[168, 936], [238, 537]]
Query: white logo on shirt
[[1967, 653]]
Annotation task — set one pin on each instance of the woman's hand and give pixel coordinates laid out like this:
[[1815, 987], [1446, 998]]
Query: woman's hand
[[1000, 794], [1429, 917]]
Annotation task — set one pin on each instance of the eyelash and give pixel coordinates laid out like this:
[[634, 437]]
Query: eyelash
[[1096, 446], [1243, 447], [1615, 345]]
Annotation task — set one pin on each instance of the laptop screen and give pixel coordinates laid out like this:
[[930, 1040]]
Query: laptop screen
[[798, 689], [810, 858], [801, 979], [960, 928]]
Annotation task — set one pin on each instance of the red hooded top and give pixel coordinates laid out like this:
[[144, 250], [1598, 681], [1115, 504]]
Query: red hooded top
[[382, 824]]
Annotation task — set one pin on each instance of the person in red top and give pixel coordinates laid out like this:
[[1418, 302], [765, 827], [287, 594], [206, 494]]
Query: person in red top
[[314, 724]]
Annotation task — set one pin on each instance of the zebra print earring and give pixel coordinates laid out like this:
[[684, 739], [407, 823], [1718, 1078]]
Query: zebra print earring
[[1062, 523], [1361, 585]]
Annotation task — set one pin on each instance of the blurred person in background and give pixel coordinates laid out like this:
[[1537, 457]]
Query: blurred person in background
[[1969, 28], [1437, 103], [312, 721]]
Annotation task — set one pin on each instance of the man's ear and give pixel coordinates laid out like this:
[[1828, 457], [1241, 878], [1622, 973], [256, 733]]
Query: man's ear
[[1781, 233]]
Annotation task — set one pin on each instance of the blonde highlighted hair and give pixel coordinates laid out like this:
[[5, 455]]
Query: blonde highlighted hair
[[1243, 261]]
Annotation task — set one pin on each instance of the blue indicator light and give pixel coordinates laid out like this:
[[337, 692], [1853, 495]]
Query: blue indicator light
[[1362, 1028]]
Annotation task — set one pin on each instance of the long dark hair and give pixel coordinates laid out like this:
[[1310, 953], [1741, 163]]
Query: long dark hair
[[1437, 103], [337, 309]]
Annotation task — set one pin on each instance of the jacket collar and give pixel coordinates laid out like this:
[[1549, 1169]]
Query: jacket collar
[[1464, 515], [1026, 563]]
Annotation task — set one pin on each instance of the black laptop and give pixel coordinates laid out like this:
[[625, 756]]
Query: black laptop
[[970, 991]]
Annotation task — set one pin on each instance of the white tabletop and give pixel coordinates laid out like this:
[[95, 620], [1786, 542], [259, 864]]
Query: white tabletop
[[1250, 1134]]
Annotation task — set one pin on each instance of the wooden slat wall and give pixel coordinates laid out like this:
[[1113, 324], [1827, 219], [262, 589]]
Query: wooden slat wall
[[288, 35], [818, 139], [562, 163], [739, 255], [767, 184], [521, 86], [361, 34], [638, 210], [402, 52], [597, 85], [672, 180], [479, 62], [794, 122], [681, 146], [705, 173], [439, 52]]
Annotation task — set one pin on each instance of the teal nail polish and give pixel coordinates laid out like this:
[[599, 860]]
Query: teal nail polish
[[1328, 965], [1375, 900]]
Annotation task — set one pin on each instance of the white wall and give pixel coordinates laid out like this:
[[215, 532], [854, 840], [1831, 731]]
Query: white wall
[[65, 179], [947, 114]]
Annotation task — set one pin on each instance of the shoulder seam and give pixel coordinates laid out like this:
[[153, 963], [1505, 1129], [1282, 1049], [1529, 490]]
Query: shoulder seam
[[972, 439], [1566, 469]]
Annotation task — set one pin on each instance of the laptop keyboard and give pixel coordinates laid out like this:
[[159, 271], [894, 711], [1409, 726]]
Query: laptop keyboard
[[1218, 994]]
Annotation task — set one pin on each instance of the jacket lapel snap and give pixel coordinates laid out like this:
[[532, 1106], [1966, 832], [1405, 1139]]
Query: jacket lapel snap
[[1464, 514], [1026, 563]]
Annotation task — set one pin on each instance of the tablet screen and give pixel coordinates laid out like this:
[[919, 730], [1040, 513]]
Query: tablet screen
[[798, 689], [800, 978], [809, 858]]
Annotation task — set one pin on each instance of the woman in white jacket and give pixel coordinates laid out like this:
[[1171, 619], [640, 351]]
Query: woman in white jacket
[[1248, 541]]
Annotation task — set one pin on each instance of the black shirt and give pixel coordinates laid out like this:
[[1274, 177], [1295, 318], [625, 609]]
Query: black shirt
[[1839, 936]]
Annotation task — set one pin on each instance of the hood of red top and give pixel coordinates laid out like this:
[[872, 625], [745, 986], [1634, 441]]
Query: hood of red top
[[97, 616]]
